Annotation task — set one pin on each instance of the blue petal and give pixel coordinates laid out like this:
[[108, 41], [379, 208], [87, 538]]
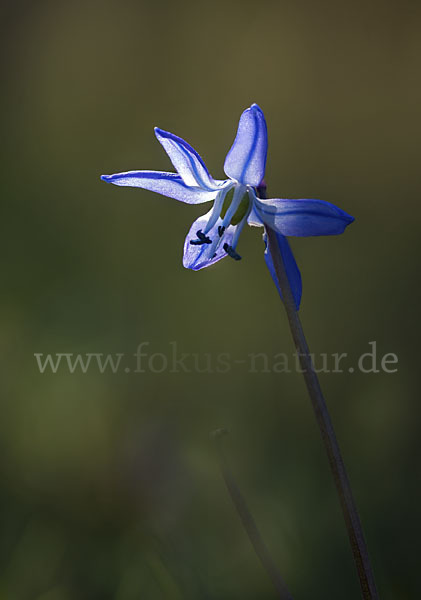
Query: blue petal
[[302, 217], [167, 184], [291, 268], [200, 256], [253, 219], [186, 160], [246, 161]]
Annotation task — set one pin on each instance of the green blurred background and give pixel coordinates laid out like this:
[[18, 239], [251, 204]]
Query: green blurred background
[[110, 488]]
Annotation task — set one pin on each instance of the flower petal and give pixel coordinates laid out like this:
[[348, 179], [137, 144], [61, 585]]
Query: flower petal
[[291, 268], [302, 217], [246, 161], [186, 160], [253, 219], [200, 256], [167, 184]]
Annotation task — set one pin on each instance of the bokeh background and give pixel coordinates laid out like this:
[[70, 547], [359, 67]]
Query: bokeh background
[[110, 487]]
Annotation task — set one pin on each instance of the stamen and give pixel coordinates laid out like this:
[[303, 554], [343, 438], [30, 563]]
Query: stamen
[[231, 252], [202, 239], [238, 194], [217, 207], [241, 224]]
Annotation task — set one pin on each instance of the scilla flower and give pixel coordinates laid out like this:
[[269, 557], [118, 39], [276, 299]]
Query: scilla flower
[[215, 235]]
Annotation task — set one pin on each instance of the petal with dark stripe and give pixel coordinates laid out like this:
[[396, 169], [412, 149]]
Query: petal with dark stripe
[[246, 161], [302, 217], [167, 184], [198, 256], [186, 160], [291, 268]]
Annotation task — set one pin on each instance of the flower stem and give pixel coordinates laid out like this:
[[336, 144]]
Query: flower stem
[[248, 521], [349, 509]]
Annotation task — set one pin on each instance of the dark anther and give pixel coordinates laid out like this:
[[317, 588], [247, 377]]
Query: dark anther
[[231, 252], [221, 230], [202, 239]]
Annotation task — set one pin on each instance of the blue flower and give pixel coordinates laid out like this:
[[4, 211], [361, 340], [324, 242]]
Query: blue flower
[[235, 203]]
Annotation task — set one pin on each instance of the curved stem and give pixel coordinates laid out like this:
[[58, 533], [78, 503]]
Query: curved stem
[[248, 521], [349, 509]]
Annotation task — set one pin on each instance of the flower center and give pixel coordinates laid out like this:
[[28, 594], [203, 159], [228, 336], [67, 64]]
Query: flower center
[[231, 207], [241, 210]]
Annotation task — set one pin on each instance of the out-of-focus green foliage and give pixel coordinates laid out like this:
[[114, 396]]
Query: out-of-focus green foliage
[[110, 488]]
